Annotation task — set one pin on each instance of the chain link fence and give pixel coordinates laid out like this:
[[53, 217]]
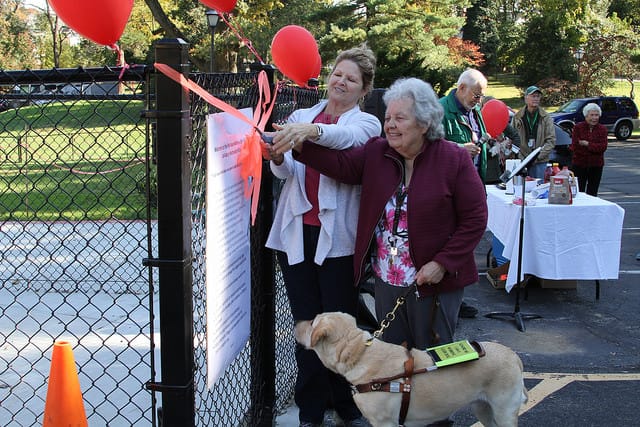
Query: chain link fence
[[228, 402], [77, 217], [73, 229]]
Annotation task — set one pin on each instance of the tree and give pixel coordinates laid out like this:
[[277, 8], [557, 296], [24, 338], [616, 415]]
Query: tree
[[627, 10], [482, 29], [180, 19], [497, 27], [609, 51], [559, 30], [547, 50], [17, 43], [417, 38], [58, 35], [551, 37]]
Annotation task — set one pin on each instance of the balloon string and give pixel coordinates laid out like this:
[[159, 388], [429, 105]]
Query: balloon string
[[240, 35], [120, 61], [195, 88]]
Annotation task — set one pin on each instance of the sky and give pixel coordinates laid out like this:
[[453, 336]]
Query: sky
[[37, 3]]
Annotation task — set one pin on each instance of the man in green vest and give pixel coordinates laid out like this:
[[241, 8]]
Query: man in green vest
[[463, 121], [464, 125]]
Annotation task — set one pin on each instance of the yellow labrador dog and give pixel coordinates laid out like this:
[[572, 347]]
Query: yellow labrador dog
[[493, 385]]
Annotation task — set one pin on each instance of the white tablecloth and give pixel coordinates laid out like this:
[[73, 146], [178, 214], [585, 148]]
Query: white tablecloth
[[578, 242]]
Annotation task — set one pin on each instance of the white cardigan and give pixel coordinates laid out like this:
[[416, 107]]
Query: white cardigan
[[338, 203]]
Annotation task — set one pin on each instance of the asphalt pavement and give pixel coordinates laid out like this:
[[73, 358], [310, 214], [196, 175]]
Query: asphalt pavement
[[582, 356]]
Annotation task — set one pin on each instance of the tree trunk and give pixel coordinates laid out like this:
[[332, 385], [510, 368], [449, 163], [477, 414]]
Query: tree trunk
[[170, 30]]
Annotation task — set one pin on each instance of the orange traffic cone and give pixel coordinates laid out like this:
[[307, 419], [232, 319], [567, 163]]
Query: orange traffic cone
[[64, 406]]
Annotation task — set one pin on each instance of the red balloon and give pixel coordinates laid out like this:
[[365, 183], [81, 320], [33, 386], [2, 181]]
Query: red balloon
[[295, 52], [496, 117], [224, 6], [103, 21]]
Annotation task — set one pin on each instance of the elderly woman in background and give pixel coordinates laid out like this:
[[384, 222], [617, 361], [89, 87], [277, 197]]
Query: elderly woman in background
[[422, 212], [588, 144], [313, 232]]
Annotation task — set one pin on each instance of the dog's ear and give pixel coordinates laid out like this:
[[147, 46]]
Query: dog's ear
[[320, 330]]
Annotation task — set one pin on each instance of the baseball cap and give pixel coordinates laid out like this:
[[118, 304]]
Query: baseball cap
[[532, 89]]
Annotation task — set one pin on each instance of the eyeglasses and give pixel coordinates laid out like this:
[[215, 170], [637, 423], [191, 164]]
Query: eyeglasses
[[478, 96]]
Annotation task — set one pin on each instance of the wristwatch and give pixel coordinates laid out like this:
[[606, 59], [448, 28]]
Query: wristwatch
[[319, 130]]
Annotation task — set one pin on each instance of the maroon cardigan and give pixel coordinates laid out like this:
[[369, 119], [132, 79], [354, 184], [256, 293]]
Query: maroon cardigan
[[592, 155], [447, 207]]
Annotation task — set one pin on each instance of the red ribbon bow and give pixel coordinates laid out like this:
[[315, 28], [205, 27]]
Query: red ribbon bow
[[250, 157]]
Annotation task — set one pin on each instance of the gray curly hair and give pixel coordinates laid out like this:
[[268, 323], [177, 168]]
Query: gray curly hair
[[426, 106], [591, 107]]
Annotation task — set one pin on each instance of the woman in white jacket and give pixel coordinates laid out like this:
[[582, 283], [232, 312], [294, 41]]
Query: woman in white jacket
[[313, 232]]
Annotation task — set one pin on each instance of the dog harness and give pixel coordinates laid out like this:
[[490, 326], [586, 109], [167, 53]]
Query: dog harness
[[389, 384]]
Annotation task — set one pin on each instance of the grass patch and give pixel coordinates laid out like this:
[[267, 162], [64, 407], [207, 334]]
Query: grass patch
[[503, 87], [78, 160]]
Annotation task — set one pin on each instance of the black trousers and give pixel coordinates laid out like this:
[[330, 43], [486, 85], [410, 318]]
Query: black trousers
[[588, 178], [412, 323], [313, 289]]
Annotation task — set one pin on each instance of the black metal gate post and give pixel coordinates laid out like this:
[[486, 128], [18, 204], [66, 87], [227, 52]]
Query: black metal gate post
[[174, 239], [263, 336]]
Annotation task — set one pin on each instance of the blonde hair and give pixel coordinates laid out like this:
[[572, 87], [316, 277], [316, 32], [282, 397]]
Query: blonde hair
[[365, 59]]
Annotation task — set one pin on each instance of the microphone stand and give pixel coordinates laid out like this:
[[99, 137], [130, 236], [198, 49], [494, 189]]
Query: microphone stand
[[517, 316]]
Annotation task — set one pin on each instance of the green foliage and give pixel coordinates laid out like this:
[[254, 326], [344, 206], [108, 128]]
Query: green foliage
[[407, 36], [626, 10], [17, 44], [535, 38], [547, 50], [496, 26], [404, 66], [483, 30]]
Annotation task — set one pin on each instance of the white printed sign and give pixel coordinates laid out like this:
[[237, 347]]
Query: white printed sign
[[228, 266]]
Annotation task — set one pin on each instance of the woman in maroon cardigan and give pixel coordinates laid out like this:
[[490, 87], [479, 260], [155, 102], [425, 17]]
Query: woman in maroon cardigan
[[422, 212], [588, 143]]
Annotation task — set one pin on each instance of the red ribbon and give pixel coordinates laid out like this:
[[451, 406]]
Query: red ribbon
[[250, 157]]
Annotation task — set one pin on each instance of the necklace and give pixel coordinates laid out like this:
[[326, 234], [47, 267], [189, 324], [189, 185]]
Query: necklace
[[400, 196]]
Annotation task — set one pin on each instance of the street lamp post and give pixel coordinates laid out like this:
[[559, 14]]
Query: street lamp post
[[212, 20], [578, 54]]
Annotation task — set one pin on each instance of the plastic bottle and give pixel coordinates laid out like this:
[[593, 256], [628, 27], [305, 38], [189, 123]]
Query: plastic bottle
[[555, 169], [565, 171], [547, 173]]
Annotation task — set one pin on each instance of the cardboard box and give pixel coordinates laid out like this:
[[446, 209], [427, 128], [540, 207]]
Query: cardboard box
[[557, 284], [497, 276], [496, 283]]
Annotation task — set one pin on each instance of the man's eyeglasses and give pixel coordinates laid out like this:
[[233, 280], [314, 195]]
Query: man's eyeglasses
[[478, 96]]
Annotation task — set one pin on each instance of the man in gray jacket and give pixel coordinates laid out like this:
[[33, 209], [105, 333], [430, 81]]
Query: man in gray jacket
[[535, 127]]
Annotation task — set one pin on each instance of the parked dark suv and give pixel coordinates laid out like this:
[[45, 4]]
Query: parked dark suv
[[619, 114]]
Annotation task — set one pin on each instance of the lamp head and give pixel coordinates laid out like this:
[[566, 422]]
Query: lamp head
[[212, 18]]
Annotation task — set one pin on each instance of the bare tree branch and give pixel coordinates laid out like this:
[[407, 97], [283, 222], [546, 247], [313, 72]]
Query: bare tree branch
[[170, 29]]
